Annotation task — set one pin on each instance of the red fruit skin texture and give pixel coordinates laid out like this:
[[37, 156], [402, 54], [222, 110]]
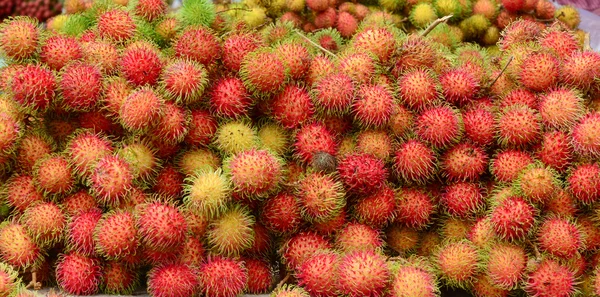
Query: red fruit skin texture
[[292, 107], [229, 98], [373, 105], [141, 64], [318, 275], [479, 126], [237, 46], [559, 237], [513, 218], [584, 183], [59, 50], [79, 275], [464, 162], [223, 277], [376, 209], [415, 162], [462, 199], [313, 138], [173, 280], [34, 87], [81, 86], [202, 128], [346, 24], [507, 164], [414, 207], [551, 279], [260, 276], [299, 248], [80, 232], [117, 25], [513, 5], [281, 213], [439, 126], [459, 87], [362, 173], [363, 273], [198, 44], [161, 226]]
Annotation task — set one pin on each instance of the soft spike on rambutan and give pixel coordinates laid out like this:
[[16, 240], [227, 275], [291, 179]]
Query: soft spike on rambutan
[[301, 246], [363, 273], [223, 277], [17, 247], [111, 179], [231, 233], [115, 235], [78, 275], [207, 193], [161, 225], [173, 280], [321, 196], [415, 162], [45, 223], [184, 80]]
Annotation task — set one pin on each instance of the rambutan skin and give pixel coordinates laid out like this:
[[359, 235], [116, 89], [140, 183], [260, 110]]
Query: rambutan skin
[[79, 275]]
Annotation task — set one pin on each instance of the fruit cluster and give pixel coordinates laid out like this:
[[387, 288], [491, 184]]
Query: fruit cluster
[[197, 153], [40, 9]]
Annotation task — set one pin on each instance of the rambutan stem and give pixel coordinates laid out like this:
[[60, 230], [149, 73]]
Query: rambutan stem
[[501, 72], [283, 281], [435, 23], [315, 44]]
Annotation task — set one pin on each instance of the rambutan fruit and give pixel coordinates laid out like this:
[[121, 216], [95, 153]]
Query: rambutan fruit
[[559, 237], [281, 213], [363, 273], [584, 183], [197, 12], [539, 71], [45, 223], [80, 232], [462, 199], [295, 57], [519, 96], [288, 290], [10, 132], [17, 247], [235, 136], [414, 207], [320, 67], [326, 19], [111, 179], [401, 121], [19, 37], [190, 161], [459, 86], [550, 278], [422, 14], [261, 276], [346, 24], [102, 54], [173, 280], [333, 94], [580, 69], [302, 246], [414, 278], [516, 31], [141, 63], [376, 209], [81, 86], [79, 275], [140, 109], [483, 287], [173, 124], [330, 39], [198, 44], [585, 136], [454, 229], [507, 164], [207, 193], [292, 107], [415, 162], [362, 173], [373, 105], [562, 43], [275, 138], [115, 235], [168, 182], [231, 233], [458, 263], [84, 150], [464, 162], [237, 46], [482, 233], [428, 243], [193, 251], [518, 125], [33, 86], [229, 98], [377, 41], [439, 126], [53, 175], [161, 226], [59, 50], [311, 139], [118, 278], [149, 10], [184, 80], [223, 277], [537, 183], [356, 236], [402, 239], [202, 128], [560, 108], [116, 90], [263, 241], [330, 226], [561, 204], [513, 218], [263, 71], [361, 67], [319, 273], [9, 280], [116, 24], [505, 265], [321, 196], [141, 157], [418, 88]]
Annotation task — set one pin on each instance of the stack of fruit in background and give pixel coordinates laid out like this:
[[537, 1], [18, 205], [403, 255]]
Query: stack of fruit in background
[[39, 9], [303, 149]]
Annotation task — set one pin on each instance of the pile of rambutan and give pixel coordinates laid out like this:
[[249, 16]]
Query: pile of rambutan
[[196, 153]]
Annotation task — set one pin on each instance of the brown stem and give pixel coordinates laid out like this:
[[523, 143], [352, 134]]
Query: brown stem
[[283, 281], [34, 283], [510, 59], [315, 44], [435, 23]]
